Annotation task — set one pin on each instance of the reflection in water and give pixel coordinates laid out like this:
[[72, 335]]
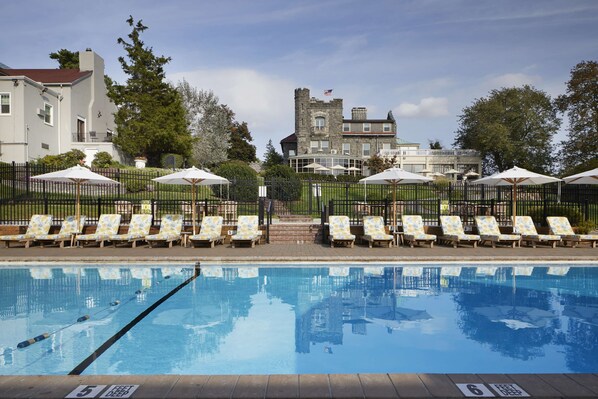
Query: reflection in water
[[304, 320]]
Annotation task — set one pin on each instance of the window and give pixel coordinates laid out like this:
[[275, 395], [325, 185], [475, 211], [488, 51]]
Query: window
[[48, 114], [324, 144], [367, 127], [386, 146], [4, 103], [80, 130], [320, 122], [346, 127], [314, 145], [365, 149], [386, 127], [346, 149]]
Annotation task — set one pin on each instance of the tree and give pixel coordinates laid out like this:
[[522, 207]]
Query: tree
[[209, 122], [66, 59], [150, 117], [580, 149], [272, 157], [240, 143], [378, 164], [64, 160], [512, 126], [435, 144]]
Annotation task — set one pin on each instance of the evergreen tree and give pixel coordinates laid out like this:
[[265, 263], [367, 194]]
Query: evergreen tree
[[580, 149], [272, 157], [240, 143], [150, 117], [66, 59], [513, 126]]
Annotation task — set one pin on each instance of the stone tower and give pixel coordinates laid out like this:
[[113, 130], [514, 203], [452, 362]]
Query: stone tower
[[317, 120]]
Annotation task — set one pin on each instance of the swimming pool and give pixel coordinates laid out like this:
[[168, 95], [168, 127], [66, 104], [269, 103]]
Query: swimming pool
[[279, 319]]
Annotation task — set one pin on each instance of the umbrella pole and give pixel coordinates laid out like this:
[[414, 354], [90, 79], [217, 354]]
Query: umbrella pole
[[193, 206], [78, 206], [514, 207], [394, 207]]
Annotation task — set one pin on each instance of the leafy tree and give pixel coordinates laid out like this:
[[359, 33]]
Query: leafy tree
[[103, 159], [379, 164], [580, 149], [272, 157], [210, 124], [150, 117], [240, 143], [66, 59], [512, 126], [435, 144]]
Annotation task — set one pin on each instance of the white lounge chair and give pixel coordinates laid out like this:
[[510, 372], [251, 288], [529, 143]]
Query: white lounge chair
[[170, 231], [139, 228], [340, 231], [38, 224], [67, 232], [248, 231], [374, 232], [413, 231], [524, 225], [210, 232], [560, 225], [108, 225]]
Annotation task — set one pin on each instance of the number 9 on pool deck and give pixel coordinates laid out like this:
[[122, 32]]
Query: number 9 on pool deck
[[86, 391]]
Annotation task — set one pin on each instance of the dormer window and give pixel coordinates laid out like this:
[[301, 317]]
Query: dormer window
[[346, 127], [320, 122], [367, 127], [386, 128]]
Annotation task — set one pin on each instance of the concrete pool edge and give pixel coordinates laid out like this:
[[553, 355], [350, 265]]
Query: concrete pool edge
[[304, 385]]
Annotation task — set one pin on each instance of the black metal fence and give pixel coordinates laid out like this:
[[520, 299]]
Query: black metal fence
[[20, 197]]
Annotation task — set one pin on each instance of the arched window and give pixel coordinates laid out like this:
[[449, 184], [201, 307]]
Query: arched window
[[320, 122]]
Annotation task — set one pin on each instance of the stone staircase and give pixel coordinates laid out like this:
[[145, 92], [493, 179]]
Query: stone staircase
[[298, 231]]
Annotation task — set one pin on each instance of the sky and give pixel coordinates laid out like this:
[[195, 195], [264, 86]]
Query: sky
[[426, 60]]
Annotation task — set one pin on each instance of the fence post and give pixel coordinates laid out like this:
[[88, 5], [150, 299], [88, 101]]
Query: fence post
[[260, 211], [310, 194], [347, 192], [46, 206], [439, 210], [586, 210], [99, 207], [544, 211], [331, 207], [27, 173]]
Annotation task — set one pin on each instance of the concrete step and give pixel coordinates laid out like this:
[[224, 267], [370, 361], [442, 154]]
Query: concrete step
[[296, 233]]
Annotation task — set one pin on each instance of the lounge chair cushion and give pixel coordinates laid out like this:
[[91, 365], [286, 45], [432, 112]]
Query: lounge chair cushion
[[108, 225], [560, 225], [524, 225], [373, 229], [413, 229], [139, 227], [211, 229], [247, 229], [340, 228], [170, 229], [67, 229], [38, 225], [489, 230], [452, 228]]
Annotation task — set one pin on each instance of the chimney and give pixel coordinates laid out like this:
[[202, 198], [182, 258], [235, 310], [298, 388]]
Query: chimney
[[359, 113]]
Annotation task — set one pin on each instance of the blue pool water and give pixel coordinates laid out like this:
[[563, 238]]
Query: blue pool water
[[284, 319]]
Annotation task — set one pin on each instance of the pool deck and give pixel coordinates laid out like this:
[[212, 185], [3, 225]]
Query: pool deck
[[302, 386]]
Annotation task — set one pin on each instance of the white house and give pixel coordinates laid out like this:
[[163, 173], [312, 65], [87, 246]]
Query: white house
[[52, 111]]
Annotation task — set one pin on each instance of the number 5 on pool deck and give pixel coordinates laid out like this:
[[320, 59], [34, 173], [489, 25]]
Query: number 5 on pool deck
[[86, 391]]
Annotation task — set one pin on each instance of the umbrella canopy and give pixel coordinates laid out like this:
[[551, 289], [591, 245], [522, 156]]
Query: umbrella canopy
[[354, 168], [516, 177], [452, 172], [322, 169], [394, 177], [471, 173], [426, 170], [193, 177], [77, 175], [587, 177], [313, 165], [338, 167]]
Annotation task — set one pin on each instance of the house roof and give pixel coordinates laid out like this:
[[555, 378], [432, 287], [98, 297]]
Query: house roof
[[291, 138], [48, 76]]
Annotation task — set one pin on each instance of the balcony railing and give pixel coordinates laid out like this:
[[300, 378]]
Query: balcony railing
[[92, 137], [445, 153]]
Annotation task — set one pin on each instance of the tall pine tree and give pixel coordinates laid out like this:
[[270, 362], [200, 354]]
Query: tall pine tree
[[240, 143], [150, 117]]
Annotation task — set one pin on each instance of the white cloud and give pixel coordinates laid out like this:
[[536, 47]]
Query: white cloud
[[429, 107], [265, 102]]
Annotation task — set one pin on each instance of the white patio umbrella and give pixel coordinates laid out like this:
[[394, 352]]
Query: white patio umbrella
[[516, 177], [452, 172], [192, 177], [587, 177], [313, 165], [394, 177], [338, 167], [77, 175]]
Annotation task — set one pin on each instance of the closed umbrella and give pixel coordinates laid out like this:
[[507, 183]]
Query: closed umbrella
[[587, 177], [516, 177], [77, 175], [395, 176], [193, 177]]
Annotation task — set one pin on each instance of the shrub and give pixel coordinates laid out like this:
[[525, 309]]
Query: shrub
[[65, 160], [168, 161], [135, 186], [104, 160], [573, 214], [585, 227], [244, 184], [285, 183]]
